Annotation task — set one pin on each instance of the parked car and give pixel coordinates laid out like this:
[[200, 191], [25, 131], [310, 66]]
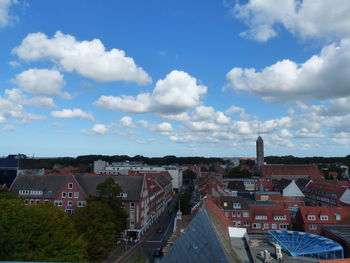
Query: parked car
[[158, 253]]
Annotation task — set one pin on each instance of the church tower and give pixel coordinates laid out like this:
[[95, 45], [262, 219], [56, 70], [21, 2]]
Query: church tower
[[259, 153]]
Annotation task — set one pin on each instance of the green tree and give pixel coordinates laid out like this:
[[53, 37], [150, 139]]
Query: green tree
[[38, 233], [237, 172], [188, 176], [96, 223]]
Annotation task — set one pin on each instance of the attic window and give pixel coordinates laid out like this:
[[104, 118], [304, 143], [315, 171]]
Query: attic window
[[237, 205], [225, 204], [323, 217], [337, 217], [70, 185], [310, 217]]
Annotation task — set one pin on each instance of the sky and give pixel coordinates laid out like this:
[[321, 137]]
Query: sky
[[165, 77]]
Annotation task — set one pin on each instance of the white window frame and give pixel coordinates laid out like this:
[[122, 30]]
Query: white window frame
[[64, 194], [266, 225], [245, 214], [273, 226], [311, 217], [313, 227], [324, 217], [256, 226], [70, 185], [58, 202], [237, 205], [70, 194], [76, 194]]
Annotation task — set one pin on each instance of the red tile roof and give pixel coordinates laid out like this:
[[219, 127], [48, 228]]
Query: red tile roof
[[289, 171], [329, 211]]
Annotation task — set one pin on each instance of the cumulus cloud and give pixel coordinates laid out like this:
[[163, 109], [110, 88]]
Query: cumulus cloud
[[5, 17], [288, 81], [88, 58], [326, 19], [174, 94], [72, 114], [44, 82], [97, 129], [126, 121], [8, 127]]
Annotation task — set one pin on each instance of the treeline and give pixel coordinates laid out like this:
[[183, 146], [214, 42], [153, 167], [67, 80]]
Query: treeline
[[85, 161], [290, 159], [44, 233]]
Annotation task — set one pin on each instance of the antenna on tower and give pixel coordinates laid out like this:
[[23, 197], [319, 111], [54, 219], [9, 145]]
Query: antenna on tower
[[259, 128]]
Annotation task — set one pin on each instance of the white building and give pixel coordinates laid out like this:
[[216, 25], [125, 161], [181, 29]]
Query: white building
[[123, 168]]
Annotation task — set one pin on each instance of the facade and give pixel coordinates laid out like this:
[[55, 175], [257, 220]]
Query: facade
[[259, 153], [311, 219], [144, 198], [123, 168], [324, 194]]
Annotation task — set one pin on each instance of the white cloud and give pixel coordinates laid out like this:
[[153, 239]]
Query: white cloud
[[72, 114], [174, 94], [325, 19], [44, 82], [88, 58], [14, 64], [5, 17], [126, 121], [8, 127], [289, 81], [97, 129], [164, 127]]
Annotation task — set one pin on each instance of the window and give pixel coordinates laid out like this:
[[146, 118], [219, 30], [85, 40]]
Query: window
[[280, 217], [261, 217], [81, 203], [70, 195], [245, 214], [266, 226], [46, 201], [238, 214], [26, 202], [68, 211], [245, 223], [337, 217], [31, 201], [284, 226], [123, 205], [256, 225], [76, 194], [233, 214], [226, 214], [58, 202], [237, 205], [311, 217], [64, 194], [274, 226], [323, 217], [70, 203], [236, 223], [225, 204], [312, 227], [70, 185], [37, 201], [132, 204]]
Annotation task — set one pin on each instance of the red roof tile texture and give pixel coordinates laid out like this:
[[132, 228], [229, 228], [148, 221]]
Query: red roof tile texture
[[289, 171]]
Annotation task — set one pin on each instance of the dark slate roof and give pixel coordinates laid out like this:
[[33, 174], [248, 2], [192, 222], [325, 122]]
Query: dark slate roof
[[45, 183], [162, 181], [198, 243], [7, 177], [132, 185], [29, 164], [9, 162], [230, 200], [236, 185]]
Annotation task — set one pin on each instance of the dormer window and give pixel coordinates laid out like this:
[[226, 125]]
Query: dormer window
[[311, 217], [337, 217], [324, 217], [70, 185], [237, 205], [225, 204]]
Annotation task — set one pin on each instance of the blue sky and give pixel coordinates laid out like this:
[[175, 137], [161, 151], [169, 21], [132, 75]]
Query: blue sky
[[185, 78]]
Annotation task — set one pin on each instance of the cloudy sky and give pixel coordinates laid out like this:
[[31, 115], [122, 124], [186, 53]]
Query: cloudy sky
[[185, 78]]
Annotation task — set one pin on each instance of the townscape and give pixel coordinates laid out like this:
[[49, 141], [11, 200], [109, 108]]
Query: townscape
[[243, 209]]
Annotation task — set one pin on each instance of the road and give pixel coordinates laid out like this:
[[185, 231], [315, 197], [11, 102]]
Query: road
[[149, 242]]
